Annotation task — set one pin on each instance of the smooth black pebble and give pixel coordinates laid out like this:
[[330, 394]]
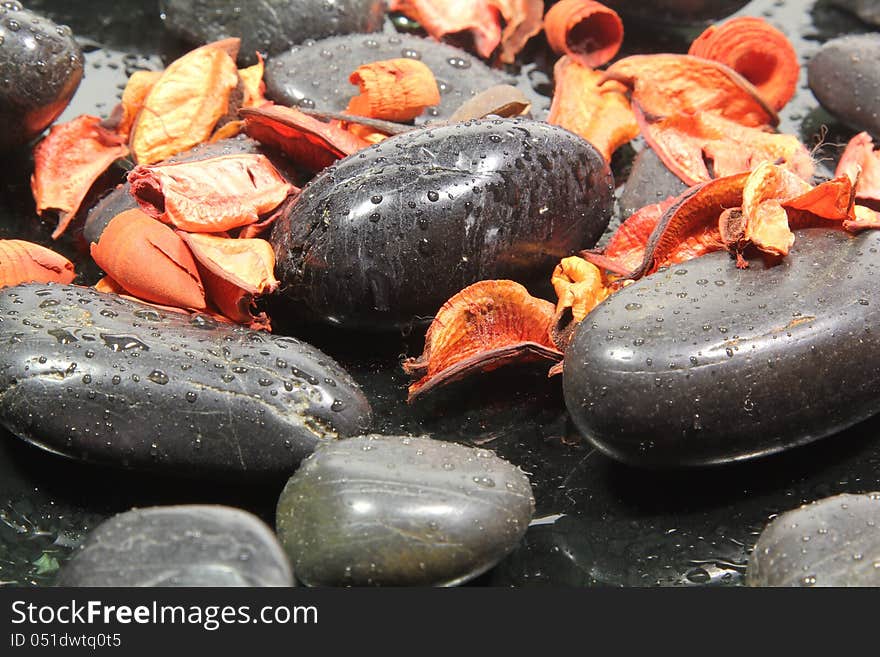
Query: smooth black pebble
[[676, 12], [866, 10]]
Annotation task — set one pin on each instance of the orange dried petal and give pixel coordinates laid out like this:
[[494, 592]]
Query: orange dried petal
[[766, 221], [210, 195], [579, 285], [186, 102], [833, 199], [149, 260], [756, 50], [227, 131], [252, 82], [665, 85], [108, 286], [588, 32], [442, 17], [864, 218], [68, 162], [136, 90], [601, 115], [307, 141], [26, 262], [523, 19], [393, 89], [486, 325], [247, 263], [862, 163]]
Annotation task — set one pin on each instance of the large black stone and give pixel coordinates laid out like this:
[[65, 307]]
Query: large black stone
[[179, 546], [96, 377], [867, 10], [832, 542], [676, 12], [389, 510], [649, 182], [703, 363]]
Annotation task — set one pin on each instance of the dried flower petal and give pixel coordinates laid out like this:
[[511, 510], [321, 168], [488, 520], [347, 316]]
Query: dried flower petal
[[588, 32], [185, 104], [252, 83], [502, 100], [601, 115], [26, 262], [307, 141], [833, 200], [68, 162], [210, 195], [149, 260], [766, 222], [393, 89], [523, 19], [665, 85], [861, 162], [136, 90], [485, 326], [864, 218], [756, 50], [580, 287], [247, 263], [442, 17]]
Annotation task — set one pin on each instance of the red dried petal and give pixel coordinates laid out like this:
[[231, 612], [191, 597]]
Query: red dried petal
[[26, 262], [394, 89], [861, 162], [441, 17], [588, 32]]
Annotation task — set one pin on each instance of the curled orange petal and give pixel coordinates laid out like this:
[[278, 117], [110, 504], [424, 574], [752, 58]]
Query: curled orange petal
[[588, 32], [600, 114], [136, 90], [68, 162], [26, 262], [766, 221], [393, 89], [862, 163], [185, 103], [307, 141], [580, 287], [479, 18], [486, 325], [210, 195], [668, 84], [833, 199], [523, 19], [864, 218], [149, 260], [253, 85], [756, 50]]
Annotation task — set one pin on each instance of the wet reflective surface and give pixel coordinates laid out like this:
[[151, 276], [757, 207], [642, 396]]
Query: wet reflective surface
[[597, 522]]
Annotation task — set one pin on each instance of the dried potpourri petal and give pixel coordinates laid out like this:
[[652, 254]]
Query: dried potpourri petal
[[252, 84], [686, 142], [486, 325], [307, 141], [149, 260], [186, 102], [665, 85], [501, 100], [212, 195], [68, 162], [864, 218], [523, 19], [860, 161], [833, 200], [580, 287], [756, 50], [394, 89], [442, 17], [136, 90], [26, 262], [600, 114], [588, 32]]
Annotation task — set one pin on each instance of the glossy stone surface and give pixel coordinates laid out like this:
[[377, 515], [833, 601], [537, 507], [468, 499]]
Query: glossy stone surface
[[390, 510], [95, 377], [867, 10], [389, 234], [315, 75], [41, 66], [269, 26], [844, 77], [832, 542], [179, 546], [676, 12], [649, 182], [703, 363]]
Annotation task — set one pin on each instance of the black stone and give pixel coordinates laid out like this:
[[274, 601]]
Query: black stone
[[389, 234], [832, 542], [676, 12], [845, 79], [703, 363], [867, 10], [179, 546], [269, 26], [389, 510], [650, 181], [96, 377], [41, 66]]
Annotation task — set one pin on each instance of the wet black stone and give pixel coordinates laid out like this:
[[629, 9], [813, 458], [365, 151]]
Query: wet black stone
[[315, 74], [867, 10], [389, 234], [676, 12], [704, 363], [41, 66], [832, 542], [99, 378], [649, 182], [179, 546], [389, 510], [845, 79], [270, 26]]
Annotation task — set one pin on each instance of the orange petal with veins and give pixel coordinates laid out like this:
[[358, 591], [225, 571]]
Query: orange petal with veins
[[600, 114], [393, 90], [861, 162], [486, 325], [579, 285], [442, 17], [588, 32], [136, 90], [833, 199], [68, 162], [26, 262], [210, 195], [149, 261], [766, 221]]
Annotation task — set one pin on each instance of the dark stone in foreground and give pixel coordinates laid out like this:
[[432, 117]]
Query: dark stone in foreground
[[832, 542], [867, 10], [179, 546], [703, 363], [649, 182], [96, 377], [676, 12], [269, 26], [387, 235], [845, 79], [41, 66], [388, 510]]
